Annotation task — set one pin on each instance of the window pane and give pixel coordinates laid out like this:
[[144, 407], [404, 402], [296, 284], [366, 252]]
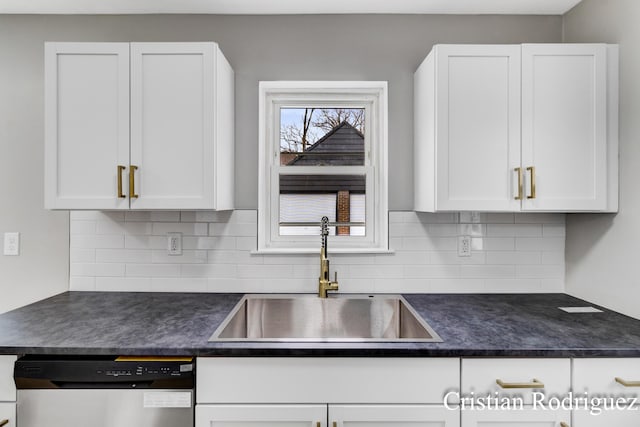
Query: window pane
[[322, 136], [305, 199]]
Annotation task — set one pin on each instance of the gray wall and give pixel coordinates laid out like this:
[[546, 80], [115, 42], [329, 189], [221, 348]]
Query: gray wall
[[346, 47], [602, 255]]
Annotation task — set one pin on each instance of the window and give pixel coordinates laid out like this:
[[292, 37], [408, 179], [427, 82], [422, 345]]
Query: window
[[323, 152]]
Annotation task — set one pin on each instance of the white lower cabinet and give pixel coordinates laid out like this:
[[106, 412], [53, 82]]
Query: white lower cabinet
[[261, 415], [526, 417], [610, 389], [8, 414], [392, 416], [7, 392], [326, 416], [515, 392], [326, 392]]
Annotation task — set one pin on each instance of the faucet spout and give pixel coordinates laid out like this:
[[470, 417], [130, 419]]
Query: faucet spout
[[324, 283]]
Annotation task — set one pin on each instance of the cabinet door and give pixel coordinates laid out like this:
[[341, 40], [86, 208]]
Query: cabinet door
[[172, 125], [617, 380], [516, 417], [86, 124], [392, 416], [564, 126], [8, 413], [615, 418], [7, 385], [261, 415], [477, 127]]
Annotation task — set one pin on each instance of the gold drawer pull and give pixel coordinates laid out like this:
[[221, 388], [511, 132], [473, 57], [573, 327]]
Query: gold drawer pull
[[563, 424], [4, 423], [533, 384], [335, 424], [532, 182], [132, 181], [120, 193], [628, 383], [519, 196], [318, 424]]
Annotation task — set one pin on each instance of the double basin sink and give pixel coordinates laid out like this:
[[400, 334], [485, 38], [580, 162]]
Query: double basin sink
[[339, 318]]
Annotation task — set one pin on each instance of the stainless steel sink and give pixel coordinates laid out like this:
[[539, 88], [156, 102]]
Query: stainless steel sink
[[307, 318]]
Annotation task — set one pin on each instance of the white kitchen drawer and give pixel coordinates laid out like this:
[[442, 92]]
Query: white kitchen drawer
[[7, 386], [331, 380], [8, 413], [480, 376], [598, 376], [526, 417]]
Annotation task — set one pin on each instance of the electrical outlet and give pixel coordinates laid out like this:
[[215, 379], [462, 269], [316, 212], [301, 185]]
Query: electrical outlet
[[12, 244], [174, 243], [464, 245]]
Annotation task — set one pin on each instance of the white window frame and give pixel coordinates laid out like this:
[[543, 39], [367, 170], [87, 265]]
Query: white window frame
[[371, 95]]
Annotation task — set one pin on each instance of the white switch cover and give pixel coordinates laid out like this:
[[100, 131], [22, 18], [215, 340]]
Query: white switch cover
[[12, 244]]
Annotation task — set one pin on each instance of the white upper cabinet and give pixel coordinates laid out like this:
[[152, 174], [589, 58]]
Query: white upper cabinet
[[516, 128], [564, 126], [172, 150], [467, 120], [86, 124]]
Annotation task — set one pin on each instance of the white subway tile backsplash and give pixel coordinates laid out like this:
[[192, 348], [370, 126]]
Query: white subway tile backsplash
[[553, 257], [178, 285], [553, 230], [514, 258], [77, 283], [82, 227], [134, 216], [127, 251], [82, 255], [128, 256], [95, 241], [164, 216], [152, 270], [210, 243], [540, 218], [230, 229], [126, 228], [187, 257], [123, 284], [186, 228], [209, 270], [514, 230], [539, 271], [148, 242], [540, 244], [487, 271]]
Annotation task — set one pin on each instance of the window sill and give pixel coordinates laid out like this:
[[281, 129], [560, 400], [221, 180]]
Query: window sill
[[332, 251]]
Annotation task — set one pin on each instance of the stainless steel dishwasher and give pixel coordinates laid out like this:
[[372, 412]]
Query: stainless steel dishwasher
[[104, 391]]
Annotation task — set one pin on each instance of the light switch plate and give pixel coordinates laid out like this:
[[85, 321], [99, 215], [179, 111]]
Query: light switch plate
[[12, 243]]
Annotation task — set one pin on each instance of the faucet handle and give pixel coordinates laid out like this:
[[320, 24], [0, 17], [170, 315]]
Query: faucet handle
[[335, 277]]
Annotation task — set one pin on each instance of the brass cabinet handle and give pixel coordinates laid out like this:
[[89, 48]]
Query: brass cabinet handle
[[532, 183], [627, 383], [4, 423], [120, 193], [563, 424], [132, 181], [519, 196], [533, 384], [335, 424]]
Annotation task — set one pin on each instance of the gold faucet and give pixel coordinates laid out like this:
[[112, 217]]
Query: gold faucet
[[324, 283]]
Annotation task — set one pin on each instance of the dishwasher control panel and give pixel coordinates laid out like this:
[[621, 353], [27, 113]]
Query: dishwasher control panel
[[107, 372]]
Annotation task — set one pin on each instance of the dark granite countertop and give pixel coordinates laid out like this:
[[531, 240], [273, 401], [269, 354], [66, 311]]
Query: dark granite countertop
[[471, 325]]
